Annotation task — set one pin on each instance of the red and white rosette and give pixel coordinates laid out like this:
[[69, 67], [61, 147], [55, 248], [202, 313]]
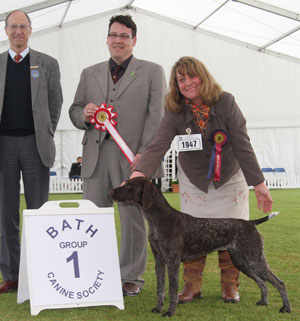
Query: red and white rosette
[[102, 114], [103, 120]]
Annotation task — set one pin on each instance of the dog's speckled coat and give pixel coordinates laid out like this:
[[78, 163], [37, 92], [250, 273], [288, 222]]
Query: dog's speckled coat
[[177, 237]]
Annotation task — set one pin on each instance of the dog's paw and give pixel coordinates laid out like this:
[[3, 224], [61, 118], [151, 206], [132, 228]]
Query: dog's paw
[[285, 309], [156, 310], [168, 314], [262, 302]]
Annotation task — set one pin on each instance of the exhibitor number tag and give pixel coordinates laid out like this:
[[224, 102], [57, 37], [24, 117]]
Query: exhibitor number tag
[[188, 143]]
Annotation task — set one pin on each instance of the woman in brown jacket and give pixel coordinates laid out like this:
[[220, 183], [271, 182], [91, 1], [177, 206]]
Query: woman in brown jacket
[[216, 162]]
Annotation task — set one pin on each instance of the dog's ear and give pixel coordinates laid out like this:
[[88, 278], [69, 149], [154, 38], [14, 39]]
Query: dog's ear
[[149, 195]]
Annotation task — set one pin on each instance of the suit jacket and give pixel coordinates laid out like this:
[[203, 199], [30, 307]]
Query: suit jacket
[[46, 96], [237, 153], [139, 104]]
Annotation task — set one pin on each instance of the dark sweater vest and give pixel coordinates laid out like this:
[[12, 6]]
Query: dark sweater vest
[[17, 117]]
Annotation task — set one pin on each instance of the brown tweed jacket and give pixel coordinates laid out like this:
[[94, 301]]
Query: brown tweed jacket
[[238, 152]]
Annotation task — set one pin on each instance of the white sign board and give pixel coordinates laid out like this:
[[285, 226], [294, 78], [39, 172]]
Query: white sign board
[[69, 257]]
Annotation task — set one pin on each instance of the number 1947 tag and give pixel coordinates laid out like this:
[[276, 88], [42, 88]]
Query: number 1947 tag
[[187, 143]]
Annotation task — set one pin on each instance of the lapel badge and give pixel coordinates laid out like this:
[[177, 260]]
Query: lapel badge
[[132, 73], [188, 131], [35, 73]]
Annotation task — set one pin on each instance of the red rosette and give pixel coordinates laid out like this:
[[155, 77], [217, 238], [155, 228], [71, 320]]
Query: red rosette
[[218, 138], [102, 114]]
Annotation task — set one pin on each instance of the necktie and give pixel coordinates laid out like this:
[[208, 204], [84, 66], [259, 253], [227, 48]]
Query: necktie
[[18, 57], [115, 73]]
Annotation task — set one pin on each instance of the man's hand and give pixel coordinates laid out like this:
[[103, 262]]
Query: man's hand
[[89, 111]]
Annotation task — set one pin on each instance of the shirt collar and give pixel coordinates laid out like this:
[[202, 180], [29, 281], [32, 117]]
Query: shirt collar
[[24, 53], [124, 64]]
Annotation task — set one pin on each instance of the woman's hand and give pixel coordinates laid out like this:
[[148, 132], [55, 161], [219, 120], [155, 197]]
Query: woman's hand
[[263, 197], [135, 161], [137, 174]]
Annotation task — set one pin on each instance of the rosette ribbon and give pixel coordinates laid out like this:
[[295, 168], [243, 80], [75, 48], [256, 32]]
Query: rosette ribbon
[[218, 138], [103, 120]]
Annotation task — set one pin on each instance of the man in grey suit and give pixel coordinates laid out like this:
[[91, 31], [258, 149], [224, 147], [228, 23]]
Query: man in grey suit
[[30, 106], [136, 89]]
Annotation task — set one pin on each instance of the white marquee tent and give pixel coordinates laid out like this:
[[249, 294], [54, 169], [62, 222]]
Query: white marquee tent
[[251, 47]]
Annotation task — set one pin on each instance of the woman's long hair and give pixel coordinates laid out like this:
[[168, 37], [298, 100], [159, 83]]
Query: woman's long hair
[[210, 90]]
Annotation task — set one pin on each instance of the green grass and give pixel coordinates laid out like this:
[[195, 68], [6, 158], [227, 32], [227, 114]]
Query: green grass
[[282, 244]]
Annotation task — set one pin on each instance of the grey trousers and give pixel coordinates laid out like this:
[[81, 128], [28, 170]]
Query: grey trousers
[[18, 155], [108, 174]]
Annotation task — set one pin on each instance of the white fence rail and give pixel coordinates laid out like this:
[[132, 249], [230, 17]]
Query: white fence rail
[[282, 180], [62, 185], [273, 180], [65, 185]]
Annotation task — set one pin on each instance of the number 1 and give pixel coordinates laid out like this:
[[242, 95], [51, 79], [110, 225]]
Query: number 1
[[74, 257]]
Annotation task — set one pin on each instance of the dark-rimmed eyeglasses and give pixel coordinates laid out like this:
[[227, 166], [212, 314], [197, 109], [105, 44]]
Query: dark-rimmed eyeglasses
[[123, 36], [15, 26]]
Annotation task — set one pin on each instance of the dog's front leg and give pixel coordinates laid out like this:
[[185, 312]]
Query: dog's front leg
[[173, 266], [160, 269]]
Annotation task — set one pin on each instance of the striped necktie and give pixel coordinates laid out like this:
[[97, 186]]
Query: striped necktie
[[17, 58]]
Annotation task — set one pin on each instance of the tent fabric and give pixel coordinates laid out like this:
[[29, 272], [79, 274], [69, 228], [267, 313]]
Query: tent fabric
[[266, 87], [270, 26]]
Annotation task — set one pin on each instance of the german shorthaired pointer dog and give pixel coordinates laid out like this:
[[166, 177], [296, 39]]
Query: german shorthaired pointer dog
[[177, 237]]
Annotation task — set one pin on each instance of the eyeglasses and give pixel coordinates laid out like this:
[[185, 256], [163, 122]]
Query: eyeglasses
[[123, 36], [15, 26]]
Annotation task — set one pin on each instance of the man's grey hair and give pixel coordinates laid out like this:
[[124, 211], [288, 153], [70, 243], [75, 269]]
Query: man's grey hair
[[26, 15]]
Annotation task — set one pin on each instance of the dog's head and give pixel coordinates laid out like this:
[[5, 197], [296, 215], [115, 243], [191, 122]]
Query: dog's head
[[138, 190]]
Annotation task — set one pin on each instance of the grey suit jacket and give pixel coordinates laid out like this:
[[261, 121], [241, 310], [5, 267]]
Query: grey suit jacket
[[139, 104], [46, 95]]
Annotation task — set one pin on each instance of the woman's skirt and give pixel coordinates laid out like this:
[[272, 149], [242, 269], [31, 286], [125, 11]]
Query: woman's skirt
[[231, 200]]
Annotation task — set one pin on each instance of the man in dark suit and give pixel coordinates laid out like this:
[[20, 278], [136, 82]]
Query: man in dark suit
[[75, 171], [30, 106], [136, 89]]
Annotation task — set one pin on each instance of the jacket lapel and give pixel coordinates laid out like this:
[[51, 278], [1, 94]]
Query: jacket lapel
[[188, 115], [132, 72], [101, 76], [3, 66], [212, 116], [35, 73]]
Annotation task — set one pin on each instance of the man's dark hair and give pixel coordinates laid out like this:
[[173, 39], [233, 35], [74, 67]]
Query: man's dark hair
[[26, 15], [125, 20]]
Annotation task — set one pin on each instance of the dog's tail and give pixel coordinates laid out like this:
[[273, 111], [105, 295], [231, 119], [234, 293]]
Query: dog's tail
[[266, 218]]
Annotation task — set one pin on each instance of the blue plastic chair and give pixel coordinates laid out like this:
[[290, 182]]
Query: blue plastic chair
[[279, 170], [267, 170], [53, 173]]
